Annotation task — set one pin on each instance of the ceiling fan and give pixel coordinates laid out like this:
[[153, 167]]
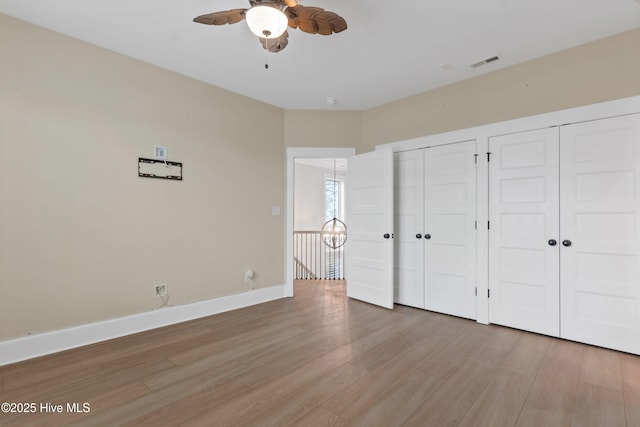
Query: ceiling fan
[[268, 19]]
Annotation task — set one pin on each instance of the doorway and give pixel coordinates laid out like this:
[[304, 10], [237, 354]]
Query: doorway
[[319, 158], [318, 219]]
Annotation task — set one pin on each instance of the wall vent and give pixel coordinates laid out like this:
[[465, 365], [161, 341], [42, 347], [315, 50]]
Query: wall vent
[[484, 61]]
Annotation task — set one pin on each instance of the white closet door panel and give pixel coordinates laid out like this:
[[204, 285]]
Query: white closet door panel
[[369, 256], [600, 215], [450, 253], [523, 213], [409, 221]]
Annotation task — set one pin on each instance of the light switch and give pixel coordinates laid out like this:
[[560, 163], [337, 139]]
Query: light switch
[[275, 210]]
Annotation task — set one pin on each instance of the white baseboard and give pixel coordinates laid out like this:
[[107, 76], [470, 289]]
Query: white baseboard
[[24, 348]]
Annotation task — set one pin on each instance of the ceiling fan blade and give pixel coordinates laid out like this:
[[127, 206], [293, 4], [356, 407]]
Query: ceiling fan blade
[[275, 45], [220, 18], [315, 20]]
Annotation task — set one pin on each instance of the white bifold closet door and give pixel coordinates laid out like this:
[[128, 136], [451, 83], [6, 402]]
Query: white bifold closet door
[[524, 231], [435, 218], [450, 229], [600, 220], [408, 172], [564, 244]]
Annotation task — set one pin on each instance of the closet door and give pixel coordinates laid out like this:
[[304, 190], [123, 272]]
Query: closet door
[[450, 234], [369, 256], [524, 237], [409, 225], [600, 220]]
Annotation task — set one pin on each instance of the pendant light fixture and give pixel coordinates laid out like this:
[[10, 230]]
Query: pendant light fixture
[[334, 231]]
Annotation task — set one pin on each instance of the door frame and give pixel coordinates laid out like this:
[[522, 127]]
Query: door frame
[[294, 153]]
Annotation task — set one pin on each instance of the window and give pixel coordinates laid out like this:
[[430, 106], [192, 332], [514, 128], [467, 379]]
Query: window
[[333, 198]]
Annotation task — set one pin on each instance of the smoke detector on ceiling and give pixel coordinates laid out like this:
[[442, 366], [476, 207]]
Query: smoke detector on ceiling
[[484, 61]]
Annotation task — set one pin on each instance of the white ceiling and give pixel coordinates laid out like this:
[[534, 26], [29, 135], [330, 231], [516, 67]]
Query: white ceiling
[[391, 50]]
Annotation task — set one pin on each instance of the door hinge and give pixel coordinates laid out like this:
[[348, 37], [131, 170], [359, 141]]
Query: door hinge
[[488, 293], [488, 225], [475, 158], [476, 291], [476, 225]]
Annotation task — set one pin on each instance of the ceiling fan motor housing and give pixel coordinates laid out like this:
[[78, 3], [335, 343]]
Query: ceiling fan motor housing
[[278, 4]]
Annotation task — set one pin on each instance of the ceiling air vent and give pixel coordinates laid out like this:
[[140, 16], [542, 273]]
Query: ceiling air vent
[[484, 61]]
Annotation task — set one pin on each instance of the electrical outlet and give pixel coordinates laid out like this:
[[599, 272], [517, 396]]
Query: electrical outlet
[[160, 290], [160, 152], [248, 275]]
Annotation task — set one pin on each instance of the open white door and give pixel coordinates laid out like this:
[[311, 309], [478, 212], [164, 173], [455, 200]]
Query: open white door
[[369, 253]]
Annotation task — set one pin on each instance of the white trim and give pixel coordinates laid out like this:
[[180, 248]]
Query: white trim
[[482, 235], [292, 154], [32, 346], [481, 134]]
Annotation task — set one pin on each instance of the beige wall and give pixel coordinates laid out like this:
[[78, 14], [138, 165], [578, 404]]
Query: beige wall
[[600, 71], [82, 237], [311, 128]]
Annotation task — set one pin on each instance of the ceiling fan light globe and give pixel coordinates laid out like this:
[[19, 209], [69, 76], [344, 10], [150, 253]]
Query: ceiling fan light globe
[[266, 21]]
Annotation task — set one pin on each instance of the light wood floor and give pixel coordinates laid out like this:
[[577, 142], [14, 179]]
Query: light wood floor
[[320, 359]]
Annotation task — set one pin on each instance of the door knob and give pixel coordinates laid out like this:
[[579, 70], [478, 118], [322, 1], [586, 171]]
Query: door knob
[[566, 243], [418, 236], [552, 242], [386, 236], [427, 236]]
